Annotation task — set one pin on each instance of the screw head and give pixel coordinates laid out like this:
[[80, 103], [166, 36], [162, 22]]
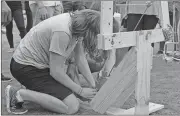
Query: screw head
[[112, 42]]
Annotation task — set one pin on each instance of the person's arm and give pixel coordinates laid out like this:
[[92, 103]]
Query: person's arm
[[57, 65], [42, 10], [5, 14], [109, 63], [82, 64], [57, 72]]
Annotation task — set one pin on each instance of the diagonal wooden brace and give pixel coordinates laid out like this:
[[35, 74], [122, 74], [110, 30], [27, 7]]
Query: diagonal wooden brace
[[117, 85]]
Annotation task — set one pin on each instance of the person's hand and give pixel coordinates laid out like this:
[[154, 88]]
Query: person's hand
[[88, 93], [92, 84], [6, 16], [43, 13]]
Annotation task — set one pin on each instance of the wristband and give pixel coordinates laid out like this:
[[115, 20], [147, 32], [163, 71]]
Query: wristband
[[103, 74], [80, 91]]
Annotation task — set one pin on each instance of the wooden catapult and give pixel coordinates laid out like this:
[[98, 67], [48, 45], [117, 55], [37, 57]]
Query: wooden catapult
[[133, 73]]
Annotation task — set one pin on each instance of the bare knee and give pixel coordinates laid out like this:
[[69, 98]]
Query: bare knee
[[72, 103]]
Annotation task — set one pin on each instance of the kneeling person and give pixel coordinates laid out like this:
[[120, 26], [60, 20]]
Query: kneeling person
[[40, 62]]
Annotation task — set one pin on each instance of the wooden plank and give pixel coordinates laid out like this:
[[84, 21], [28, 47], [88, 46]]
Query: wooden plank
[[127, 39], [118, 111], [153, 107], [164, 15], [142, 92], [130, 88], [123, 97], [106, 27], [178, 32], [106, 22], [116, 84]]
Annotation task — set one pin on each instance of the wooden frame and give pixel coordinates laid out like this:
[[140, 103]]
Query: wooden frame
[[117, 87]]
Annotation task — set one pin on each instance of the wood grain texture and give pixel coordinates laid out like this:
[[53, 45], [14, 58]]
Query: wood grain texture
[[117, 111], [127, 39], [106, 22], [164, 15], [142, 92], [117, 85]]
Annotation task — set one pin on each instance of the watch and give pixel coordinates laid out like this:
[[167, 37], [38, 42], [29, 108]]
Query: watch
[[103, 73]]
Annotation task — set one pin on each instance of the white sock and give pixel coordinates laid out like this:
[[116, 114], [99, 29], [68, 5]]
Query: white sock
[[18, 97]]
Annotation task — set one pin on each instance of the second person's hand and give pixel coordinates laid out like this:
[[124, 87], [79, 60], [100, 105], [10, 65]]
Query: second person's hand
[[88, 93], [43, 13]]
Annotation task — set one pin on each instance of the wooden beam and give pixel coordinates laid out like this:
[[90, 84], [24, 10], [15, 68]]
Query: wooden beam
[[164, 15], [142, 92], [127, 39], [153, 107], [107, 28], [118, 111], [126, 93], [122, 98], [106, 23], [116, 86]]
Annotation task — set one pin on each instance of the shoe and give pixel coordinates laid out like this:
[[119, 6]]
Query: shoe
[[11, 50], [13, 105], [3, 31], [160, 52], [177, 57], [3, 78]]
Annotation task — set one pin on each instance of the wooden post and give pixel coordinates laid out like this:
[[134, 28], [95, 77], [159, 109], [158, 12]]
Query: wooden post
[[107, 28], [164, 14], [142, 92]]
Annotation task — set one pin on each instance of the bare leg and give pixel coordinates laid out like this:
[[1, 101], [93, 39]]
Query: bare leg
[[69, 105]]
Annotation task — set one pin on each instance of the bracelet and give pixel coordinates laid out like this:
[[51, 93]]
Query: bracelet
[[103, 74], [80, 91]]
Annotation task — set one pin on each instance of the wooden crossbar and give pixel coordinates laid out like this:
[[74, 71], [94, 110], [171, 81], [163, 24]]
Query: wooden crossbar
[[127, 39]]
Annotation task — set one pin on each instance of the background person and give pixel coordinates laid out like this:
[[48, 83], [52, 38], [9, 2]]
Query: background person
[[29, 16], [72, 6], [177, 56], [17, 14], [6, 18], [177, 15], [42, 10]]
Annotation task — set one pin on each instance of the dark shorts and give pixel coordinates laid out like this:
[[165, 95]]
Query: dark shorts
[[38, 80]]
